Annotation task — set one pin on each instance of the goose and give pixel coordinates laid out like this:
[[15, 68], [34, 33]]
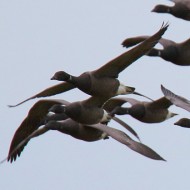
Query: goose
[[87, 133], [180, 9], [39, 115], [176, 53], [103, 81], [147, 112], [108, 106], [89, 111]]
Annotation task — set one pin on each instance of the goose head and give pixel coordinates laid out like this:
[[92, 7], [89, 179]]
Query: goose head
[[61, 76], [161, 9]]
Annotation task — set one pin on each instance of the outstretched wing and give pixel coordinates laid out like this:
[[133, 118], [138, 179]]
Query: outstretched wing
[[117, 65], [126, 140], [176, 99], [51, 91], [31, 123], [161, 103], [129, 42], [126, 126]]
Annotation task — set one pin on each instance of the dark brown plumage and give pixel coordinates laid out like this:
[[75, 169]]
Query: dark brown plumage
[[92, 133], [177, 53], [180, 9], [103, 81], [108, 106], [183, 122], [37, 116], [147, 112], [176, 99], [87, 111], [71, 127]]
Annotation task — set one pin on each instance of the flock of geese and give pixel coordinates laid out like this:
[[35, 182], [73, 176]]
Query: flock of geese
[[88, 120]]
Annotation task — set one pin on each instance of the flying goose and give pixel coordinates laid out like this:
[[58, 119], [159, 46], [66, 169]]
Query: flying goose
[[108, 106], [181, 9], [71, 127], [88, 111], [103, 81], [176, 53], [147, 112], [39, 115], [86, 133]]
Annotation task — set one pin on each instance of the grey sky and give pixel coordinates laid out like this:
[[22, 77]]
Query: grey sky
[[38, 38]]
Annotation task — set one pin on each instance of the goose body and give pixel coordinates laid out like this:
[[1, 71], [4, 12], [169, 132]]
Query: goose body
[[147, 112], [96, 86], [176, 53], [180, 9], [88, 111]]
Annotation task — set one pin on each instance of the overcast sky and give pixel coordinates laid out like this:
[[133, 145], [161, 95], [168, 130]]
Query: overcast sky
[[40, 37]]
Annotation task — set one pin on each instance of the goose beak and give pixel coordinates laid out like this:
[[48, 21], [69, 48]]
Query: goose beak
[[153, 10], [53, 78]]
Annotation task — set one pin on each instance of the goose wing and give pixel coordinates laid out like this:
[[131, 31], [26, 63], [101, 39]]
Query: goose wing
[[161, 103], [176, 99], [51, 91], [129, 142], [117, 65], [31, 123], [185, 45]]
